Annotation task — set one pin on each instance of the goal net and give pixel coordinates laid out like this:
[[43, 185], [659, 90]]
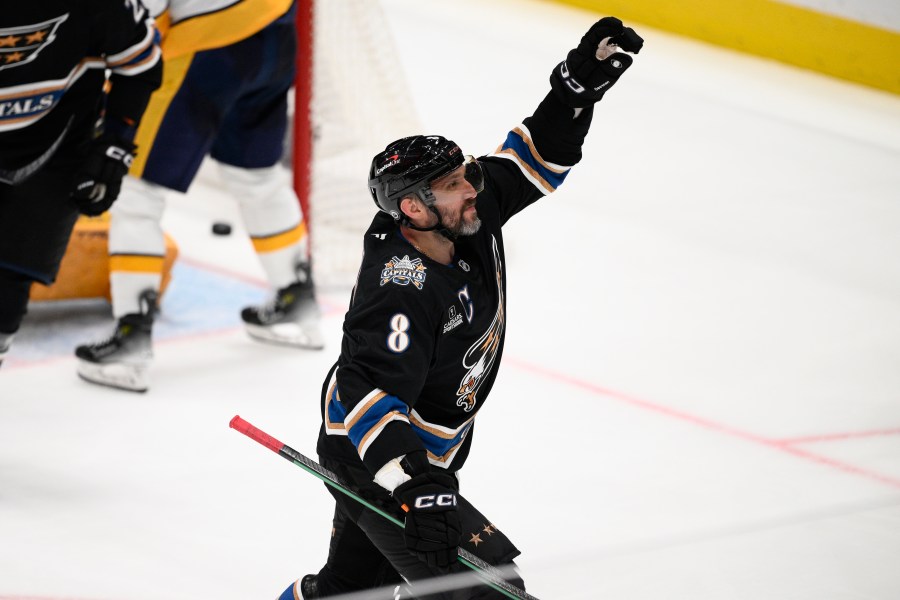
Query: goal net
[[351, 99]]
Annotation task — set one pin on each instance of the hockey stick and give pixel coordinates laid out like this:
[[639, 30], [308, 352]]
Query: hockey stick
[[490, 574]]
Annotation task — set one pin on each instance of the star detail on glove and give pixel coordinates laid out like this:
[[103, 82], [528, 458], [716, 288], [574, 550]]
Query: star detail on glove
[[476, 539], [489, 529]]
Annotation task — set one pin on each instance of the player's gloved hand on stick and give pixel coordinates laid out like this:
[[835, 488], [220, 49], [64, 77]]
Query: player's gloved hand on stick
[[594, 66], [433, 527], [99, 181]]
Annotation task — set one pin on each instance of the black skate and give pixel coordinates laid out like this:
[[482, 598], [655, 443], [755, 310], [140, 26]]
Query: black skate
[[122, 361], [291, 318], [5, 342]]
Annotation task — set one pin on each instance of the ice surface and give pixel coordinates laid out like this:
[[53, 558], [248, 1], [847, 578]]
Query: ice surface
[[700, 396]]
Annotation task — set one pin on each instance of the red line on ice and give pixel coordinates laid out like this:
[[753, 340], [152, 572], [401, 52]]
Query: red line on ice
[[781, 445]]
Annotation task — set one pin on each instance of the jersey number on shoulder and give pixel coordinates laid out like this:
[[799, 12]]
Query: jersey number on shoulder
[[398, 339], [137, 10]]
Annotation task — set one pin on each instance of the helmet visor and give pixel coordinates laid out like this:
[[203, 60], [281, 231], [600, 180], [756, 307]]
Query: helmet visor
[[473, 173]]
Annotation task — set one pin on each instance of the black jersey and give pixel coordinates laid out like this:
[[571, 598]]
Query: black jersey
[[422, 340], [54, 58]]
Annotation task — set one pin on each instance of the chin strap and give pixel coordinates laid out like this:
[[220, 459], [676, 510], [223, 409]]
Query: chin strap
[[439, 226]]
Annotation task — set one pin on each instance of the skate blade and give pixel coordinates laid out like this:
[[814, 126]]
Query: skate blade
[[288, 334], [132, 378]]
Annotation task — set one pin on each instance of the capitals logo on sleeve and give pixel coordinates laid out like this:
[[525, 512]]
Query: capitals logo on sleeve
[[21, 45], [404, 271]]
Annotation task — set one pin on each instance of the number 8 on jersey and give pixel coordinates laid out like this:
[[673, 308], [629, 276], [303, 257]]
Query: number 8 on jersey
[[398, 339]]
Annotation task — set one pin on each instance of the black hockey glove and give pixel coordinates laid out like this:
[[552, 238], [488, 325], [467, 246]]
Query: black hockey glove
[[433, 527], [98, 182], [583, 78]]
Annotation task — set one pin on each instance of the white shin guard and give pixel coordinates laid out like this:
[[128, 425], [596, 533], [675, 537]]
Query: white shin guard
[[136, 229]]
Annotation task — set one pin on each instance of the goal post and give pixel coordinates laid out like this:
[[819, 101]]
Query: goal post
[[351, 98], [302, 135]]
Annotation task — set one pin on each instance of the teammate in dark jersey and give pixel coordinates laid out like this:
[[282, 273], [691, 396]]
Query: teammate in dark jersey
[[65, 144], [425, 330]]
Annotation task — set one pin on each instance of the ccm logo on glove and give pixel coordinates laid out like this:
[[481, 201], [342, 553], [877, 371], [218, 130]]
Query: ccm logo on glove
[[99, 181], [435, 500], [120, 154], [432, 526]]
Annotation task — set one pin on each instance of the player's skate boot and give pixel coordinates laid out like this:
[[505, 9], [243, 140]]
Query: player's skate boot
[[5, 342], [290, 318], [122, 360]]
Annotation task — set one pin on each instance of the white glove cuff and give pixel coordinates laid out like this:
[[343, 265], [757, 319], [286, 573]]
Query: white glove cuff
[[391, 475]]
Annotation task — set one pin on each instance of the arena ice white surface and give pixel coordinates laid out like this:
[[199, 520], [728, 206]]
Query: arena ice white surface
[[700, 396]]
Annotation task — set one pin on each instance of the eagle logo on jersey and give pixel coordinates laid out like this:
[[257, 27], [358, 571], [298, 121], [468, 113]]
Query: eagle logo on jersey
[[481, 356], [404, 271], [21, 45]]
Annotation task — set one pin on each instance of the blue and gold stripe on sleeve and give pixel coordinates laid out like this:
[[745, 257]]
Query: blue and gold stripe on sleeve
[[139, 57], [369, 417], [441, 443], [367, 420], [334, 410], [519, 148]]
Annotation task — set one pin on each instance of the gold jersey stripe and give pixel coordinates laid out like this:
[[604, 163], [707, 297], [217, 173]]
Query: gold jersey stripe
[[394, 415], [221, 28], [446, 457], [519, 131], [361, 410], [549, 189], [437, 432], [174, 72]]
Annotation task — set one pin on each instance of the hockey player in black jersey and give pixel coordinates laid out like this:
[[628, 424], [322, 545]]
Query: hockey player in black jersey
[[65, 144], [425, 331]]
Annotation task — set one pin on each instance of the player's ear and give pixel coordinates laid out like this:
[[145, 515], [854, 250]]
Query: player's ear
[[411, 206]]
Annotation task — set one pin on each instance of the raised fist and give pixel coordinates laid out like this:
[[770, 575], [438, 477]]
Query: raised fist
[[595, 65], [610, 27]]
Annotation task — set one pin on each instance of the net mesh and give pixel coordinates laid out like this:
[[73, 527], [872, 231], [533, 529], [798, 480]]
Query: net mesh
[[360, 102]]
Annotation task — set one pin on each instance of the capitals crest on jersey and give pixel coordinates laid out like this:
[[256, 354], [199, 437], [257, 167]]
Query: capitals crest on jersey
[[21, 45], [481, 356], [404, 271]]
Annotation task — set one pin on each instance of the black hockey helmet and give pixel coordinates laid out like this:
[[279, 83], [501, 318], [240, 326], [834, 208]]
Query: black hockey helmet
[[409, 166]]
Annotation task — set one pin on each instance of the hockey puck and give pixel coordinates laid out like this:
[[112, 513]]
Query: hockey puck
[[221, 228]]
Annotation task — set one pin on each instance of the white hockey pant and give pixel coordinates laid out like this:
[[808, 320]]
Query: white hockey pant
[[135, 229], [273, 219]]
